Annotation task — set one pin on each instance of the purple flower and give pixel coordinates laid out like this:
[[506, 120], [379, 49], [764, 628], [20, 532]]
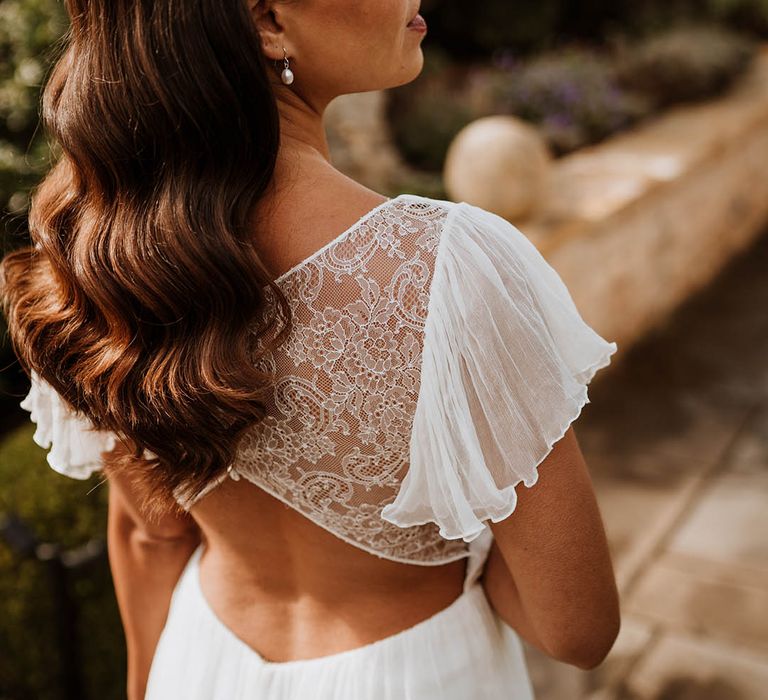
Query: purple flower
[[505, 59], [569, 92], [558, 120]]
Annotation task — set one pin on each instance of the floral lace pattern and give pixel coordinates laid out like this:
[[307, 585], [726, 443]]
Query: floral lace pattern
[[433, 360], [335, 442]]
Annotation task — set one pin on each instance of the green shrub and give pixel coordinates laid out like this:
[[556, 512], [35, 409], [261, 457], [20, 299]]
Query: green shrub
[[684, 63], [30, 33], [69, 512]]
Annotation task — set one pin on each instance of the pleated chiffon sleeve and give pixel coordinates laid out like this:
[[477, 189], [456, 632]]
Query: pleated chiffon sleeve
[[506, 362], [74, 445]]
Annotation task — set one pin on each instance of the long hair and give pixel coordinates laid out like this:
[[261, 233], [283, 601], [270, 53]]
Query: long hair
[[139, 296]]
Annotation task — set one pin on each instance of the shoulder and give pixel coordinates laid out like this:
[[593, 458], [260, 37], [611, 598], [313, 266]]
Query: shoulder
[[469, 234], [505, 365], [415, 213], [406, 205], [457, 241], [458, 216], [424, 207]]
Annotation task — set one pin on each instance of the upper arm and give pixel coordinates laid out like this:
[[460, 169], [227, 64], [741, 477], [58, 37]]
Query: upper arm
[[560, 509], [555, 549], [125, 498], [77, 450]]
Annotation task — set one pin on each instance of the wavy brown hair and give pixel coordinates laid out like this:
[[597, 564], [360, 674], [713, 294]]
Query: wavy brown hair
[[139, 297]]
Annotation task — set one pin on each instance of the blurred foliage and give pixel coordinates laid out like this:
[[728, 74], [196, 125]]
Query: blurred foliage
[[467, 32], [30, 34], [748, 15], [69, 512], [529, 26], [425, 115], [571, 95], [683, 64], [56, 508], [576, 94]]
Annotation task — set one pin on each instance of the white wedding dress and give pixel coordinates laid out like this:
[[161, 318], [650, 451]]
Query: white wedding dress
[[435, 359]]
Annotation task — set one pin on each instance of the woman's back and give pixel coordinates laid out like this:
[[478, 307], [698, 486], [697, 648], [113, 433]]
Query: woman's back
[[291, 590], [434, 361], [290, 529], [301, 592], [344, 488]]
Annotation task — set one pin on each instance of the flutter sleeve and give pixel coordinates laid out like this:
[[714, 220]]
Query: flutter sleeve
[[505, 367], [75, 445]]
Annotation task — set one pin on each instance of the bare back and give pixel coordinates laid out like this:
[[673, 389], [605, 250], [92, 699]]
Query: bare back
[[284, 585]]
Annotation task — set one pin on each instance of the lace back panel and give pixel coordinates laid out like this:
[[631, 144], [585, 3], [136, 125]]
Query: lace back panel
[[335, 442]]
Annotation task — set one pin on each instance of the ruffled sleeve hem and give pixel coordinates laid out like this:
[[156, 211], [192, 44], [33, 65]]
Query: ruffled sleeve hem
[[502, 502], [506, 363], [74, 445]]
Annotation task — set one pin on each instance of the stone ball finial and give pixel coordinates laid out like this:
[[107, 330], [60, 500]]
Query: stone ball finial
[[500, 163]]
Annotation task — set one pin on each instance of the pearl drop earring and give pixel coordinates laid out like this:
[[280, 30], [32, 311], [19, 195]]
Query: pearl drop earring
[[287, 75]]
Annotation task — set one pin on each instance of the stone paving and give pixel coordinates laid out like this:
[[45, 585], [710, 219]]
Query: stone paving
[[676, 437]]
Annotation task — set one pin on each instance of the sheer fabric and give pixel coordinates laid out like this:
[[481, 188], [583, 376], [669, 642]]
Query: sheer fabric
[[75, 446], [435, 359]]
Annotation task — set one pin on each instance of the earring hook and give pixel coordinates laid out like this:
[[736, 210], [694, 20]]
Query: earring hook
[[287, 75]]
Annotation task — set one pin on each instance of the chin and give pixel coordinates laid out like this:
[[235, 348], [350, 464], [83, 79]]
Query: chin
[[410, 71], [407, 73]]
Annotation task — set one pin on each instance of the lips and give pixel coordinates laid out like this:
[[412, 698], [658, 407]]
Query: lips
[[417, 22]]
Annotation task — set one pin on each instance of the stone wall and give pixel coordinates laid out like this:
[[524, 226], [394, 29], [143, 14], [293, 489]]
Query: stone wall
[[638, 223]]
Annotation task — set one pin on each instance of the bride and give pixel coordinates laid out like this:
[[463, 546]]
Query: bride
[[336, 427]]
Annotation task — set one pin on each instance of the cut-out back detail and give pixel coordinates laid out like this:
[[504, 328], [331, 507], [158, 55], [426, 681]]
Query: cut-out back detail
[[435, 358]]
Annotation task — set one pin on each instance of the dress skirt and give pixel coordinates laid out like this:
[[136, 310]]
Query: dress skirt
[[463, 652]]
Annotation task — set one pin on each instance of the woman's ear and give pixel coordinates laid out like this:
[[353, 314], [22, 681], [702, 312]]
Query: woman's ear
[[266, 19]]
